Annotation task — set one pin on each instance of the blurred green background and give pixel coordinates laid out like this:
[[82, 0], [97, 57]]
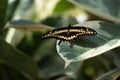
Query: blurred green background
[[24, 55]]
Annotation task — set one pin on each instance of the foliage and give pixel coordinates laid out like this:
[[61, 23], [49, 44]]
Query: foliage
[[24, 55]]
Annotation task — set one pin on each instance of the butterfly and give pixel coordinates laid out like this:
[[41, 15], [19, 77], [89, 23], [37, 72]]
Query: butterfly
[[70, 33]]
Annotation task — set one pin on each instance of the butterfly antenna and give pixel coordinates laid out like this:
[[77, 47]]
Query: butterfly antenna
[[69, 25]]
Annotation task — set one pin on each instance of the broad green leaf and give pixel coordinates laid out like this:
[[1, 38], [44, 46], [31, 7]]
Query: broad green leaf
[[51, 66], [65, 6], [27, 25], [3, 9], [112, 75], [107, 38], [18, 30], [107, 9], [16, 59]]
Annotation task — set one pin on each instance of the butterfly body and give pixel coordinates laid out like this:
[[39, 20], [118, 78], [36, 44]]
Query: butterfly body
[[70, 33]]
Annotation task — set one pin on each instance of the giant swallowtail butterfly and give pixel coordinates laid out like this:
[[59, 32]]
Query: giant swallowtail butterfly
[[70, 33]]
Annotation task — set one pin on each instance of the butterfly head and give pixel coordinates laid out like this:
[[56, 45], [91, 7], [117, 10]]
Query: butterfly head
[[48, 35]]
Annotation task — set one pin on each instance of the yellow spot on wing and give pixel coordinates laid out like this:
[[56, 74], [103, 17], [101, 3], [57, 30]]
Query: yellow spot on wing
[[67, 38], [73, 30], [70, 30]]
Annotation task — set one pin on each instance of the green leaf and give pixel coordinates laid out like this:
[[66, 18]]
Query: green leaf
[[107, 9], [90, 46], [112, 75], [3, 9], [16, 59], [65, 6], [27, 25], [52, 67]]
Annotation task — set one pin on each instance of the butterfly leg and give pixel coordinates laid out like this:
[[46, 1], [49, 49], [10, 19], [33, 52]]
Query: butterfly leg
[[71, 44], [59, 42]]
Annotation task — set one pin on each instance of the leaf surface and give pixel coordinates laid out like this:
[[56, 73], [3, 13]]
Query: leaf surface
[[107, 38]]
